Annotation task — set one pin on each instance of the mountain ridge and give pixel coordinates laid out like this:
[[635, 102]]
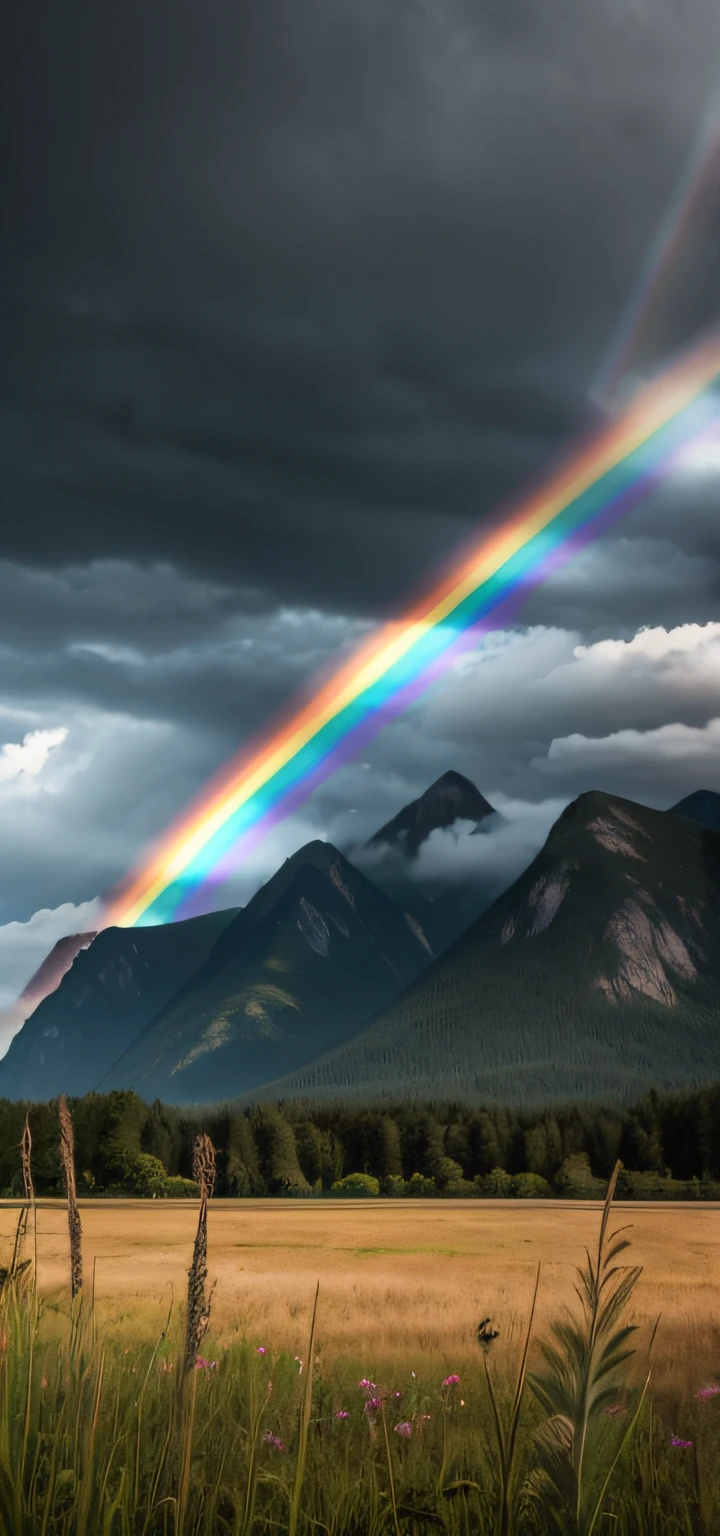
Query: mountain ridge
[[578, 979]]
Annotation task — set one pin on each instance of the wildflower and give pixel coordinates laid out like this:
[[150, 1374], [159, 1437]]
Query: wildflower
[[205, 1365], [374, 1402], [451, 1381], [342, 1413], [412, 1373], [614, 1409], [683, 1444], [398, 1394], [707, 1392], [273, 1440], [369, 1386], [261, 1349], [404, 1429]]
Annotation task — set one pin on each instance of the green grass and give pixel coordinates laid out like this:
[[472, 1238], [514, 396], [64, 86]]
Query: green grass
[[102, 1435]]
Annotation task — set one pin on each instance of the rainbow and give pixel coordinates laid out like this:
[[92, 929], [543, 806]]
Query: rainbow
[[606, 475], [660, 253]]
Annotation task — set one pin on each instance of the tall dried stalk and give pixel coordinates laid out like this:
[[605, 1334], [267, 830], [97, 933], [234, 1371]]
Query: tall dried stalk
[[21, 1230], [67, 1157], [198, 1302]]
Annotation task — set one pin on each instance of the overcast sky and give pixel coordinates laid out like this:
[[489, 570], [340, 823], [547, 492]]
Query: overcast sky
[[293, 293]]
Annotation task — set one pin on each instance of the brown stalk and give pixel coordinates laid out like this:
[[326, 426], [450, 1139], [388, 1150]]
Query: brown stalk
[[67, 1157], [198, 1302]]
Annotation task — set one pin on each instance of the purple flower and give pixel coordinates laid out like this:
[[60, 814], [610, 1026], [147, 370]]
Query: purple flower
[[451, 1381], [707, 1392], [273, 1440], [369, 1386], [683, 1444], [374, 1402], [261, 1349], [404, 1429], [205, 1365], [342, 1413]]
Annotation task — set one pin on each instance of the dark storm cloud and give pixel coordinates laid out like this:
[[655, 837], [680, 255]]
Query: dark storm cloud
[[290, 295], [295, 292]]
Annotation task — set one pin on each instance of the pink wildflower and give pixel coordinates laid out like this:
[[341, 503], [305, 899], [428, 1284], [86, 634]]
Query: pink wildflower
[[273, 1440], [205, 1365], [261, 1349], [683, 1444], [451, 1381], [404, 1429], [369, 1386], [707, 1392], [342, 1413]]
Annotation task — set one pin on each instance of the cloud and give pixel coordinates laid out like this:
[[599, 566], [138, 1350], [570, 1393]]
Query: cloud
[[30, 756], [24, 946], [679, 752], [477, 867]]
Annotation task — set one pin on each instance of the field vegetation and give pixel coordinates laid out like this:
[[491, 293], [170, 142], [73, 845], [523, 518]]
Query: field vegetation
[[552, 1418]]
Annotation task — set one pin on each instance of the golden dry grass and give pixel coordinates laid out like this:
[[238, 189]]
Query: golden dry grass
[[399, 1280]]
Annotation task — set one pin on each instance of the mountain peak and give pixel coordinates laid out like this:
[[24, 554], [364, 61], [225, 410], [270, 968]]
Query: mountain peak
[[451, 798], [703, 806]]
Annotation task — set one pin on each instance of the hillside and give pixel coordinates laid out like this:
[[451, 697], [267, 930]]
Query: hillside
[[316, 951], [114, 986], [596, 974], [702, 806]]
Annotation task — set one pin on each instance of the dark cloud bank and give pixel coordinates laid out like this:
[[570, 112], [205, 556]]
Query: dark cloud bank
[[292, 297]]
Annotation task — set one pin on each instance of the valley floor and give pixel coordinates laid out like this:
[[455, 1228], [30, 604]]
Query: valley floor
[[399, 1280]]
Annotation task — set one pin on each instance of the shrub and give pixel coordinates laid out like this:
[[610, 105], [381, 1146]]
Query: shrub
[[357, 1184], [420, 1186], [394, 1185], [575, 1179], [530, 1186], [497, 1185]]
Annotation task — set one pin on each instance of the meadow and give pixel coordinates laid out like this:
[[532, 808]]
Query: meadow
[[400, 1416], [399, 1280]]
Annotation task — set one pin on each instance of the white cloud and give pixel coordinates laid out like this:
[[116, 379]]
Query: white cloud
[[24, 946], [29, 756], [457, 856], [673, 745]]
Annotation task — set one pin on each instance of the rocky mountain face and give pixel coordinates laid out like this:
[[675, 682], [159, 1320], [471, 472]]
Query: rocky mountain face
[[597, 973], [317, 950], [115, 984]]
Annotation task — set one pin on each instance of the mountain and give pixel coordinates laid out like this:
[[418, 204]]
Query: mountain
[[451, 798], [318, 949], [48, 976], [597, 973], [702, 806], [114, 986], [448, 895]]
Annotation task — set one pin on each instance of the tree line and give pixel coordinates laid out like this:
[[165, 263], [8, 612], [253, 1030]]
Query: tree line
[[669, 1144]]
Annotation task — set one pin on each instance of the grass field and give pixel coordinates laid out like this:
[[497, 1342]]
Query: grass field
[[399, 1280]]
